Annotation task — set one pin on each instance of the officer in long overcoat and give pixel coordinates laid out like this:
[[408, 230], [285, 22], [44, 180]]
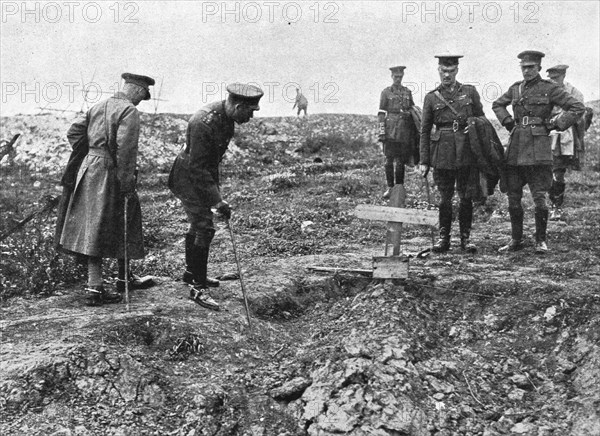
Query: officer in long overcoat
[[447, 149], [567, 146], [94, 220], [397, 130], [529, 152], [194, 179]]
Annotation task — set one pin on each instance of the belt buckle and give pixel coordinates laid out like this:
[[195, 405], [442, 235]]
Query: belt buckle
[[525, 120], [455, 126]]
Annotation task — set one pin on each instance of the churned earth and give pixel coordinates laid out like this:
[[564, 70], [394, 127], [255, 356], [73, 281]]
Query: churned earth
[[483, 344]]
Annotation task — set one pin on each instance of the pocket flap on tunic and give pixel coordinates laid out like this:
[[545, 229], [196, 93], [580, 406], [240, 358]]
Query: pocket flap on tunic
[[538, 99]]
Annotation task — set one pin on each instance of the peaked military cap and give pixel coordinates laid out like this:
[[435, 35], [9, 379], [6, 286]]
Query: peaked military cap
[[398, 69], [448, 60], [530, 57], [137, 79], [249, 94], [559, 68]]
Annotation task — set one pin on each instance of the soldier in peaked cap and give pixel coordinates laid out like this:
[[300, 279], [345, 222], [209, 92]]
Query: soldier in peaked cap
[[194, 179], [93, 221], [447, 149], [397, 130], [144, 82], [529, 152], [567, 146]]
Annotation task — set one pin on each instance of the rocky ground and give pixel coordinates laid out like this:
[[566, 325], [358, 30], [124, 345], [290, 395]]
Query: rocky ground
[[483, 344]]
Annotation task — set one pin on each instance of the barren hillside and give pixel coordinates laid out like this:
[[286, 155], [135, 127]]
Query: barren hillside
[[483, 344]]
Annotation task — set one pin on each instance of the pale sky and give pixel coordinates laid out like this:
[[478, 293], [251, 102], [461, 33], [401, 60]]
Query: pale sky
[[338, 52]]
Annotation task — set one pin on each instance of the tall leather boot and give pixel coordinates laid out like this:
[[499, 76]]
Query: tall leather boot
[[541, 224], [516, 225], [445, 217], [198, 288], [190, 276], [399, 173], [465, 220], [557, 197], [389, 176], [134, 281]]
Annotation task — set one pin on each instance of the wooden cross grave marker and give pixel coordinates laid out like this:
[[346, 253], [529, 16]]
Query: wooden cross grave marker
[[396, 265]]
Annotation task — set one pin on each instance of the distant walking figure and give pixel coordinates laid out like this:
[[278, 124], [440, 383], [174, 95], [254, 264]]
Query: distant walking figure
[[301, 102]]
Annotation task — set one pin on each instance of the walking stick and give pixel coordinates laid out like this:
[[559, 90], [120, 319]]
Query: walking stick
[[228, 222], [126, 267]]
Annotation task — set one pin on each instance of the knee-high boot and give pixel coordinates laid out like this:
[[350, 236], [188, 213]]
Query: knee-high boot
[[465, 220], [445, 218], [541, 224]]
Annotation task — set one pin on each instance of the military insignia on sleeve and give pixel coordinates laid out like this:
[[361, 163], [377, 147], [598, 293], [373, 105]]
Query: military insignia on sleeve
[[210, 117]]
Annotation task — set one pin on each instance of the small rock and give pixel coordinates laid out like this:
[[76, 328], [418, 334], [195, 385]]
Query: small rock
[[439, 396], [291, 390], [550, 313], [522, 427], [521, 381], [516, 394], [307, 227]]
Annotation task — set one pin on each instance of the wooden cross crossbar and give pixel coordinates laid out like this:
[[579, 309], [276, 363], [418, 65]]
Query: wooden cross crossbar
[[394, 266], [397, 214]]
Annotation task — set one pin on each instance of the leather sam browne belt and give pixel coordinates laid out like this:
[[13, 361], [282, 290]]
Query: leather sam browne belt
[[455, 126], [527, 121]]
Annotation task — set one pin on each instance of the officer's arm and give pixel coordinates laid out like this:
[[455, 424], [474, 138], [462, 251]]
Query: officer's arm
[[78, 129], [128, 133], [578, 95], [426, 125], [477, 106], [499, 108], [381, 114], [572, 108], [411, 101], [200, 144]]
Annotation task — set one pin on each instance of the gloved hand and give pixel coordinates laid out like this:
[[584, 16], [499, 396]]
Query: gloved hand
[[552, 124], [224, 209], [424, 169], [510, 124], [381, 132]]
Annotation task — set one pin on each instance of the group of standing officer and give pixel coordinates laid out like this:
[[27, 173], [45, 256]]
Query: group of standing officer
[[92, 223], [543, 113]]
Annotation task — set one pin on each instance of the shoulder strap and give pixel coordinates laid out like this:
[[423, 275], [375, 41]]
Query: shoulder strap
[[439, 95]]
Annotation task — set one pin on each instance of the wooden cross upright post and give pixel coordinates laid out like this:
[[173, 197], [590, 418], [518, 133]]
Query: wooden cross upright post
[[396, 265]]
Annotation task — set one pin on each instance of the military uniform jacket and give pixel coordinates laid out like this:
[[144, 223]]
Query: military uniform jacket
[[194, 176], [93, 222], [394, 105], [569, 142], [532, 104], [448, 146]]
